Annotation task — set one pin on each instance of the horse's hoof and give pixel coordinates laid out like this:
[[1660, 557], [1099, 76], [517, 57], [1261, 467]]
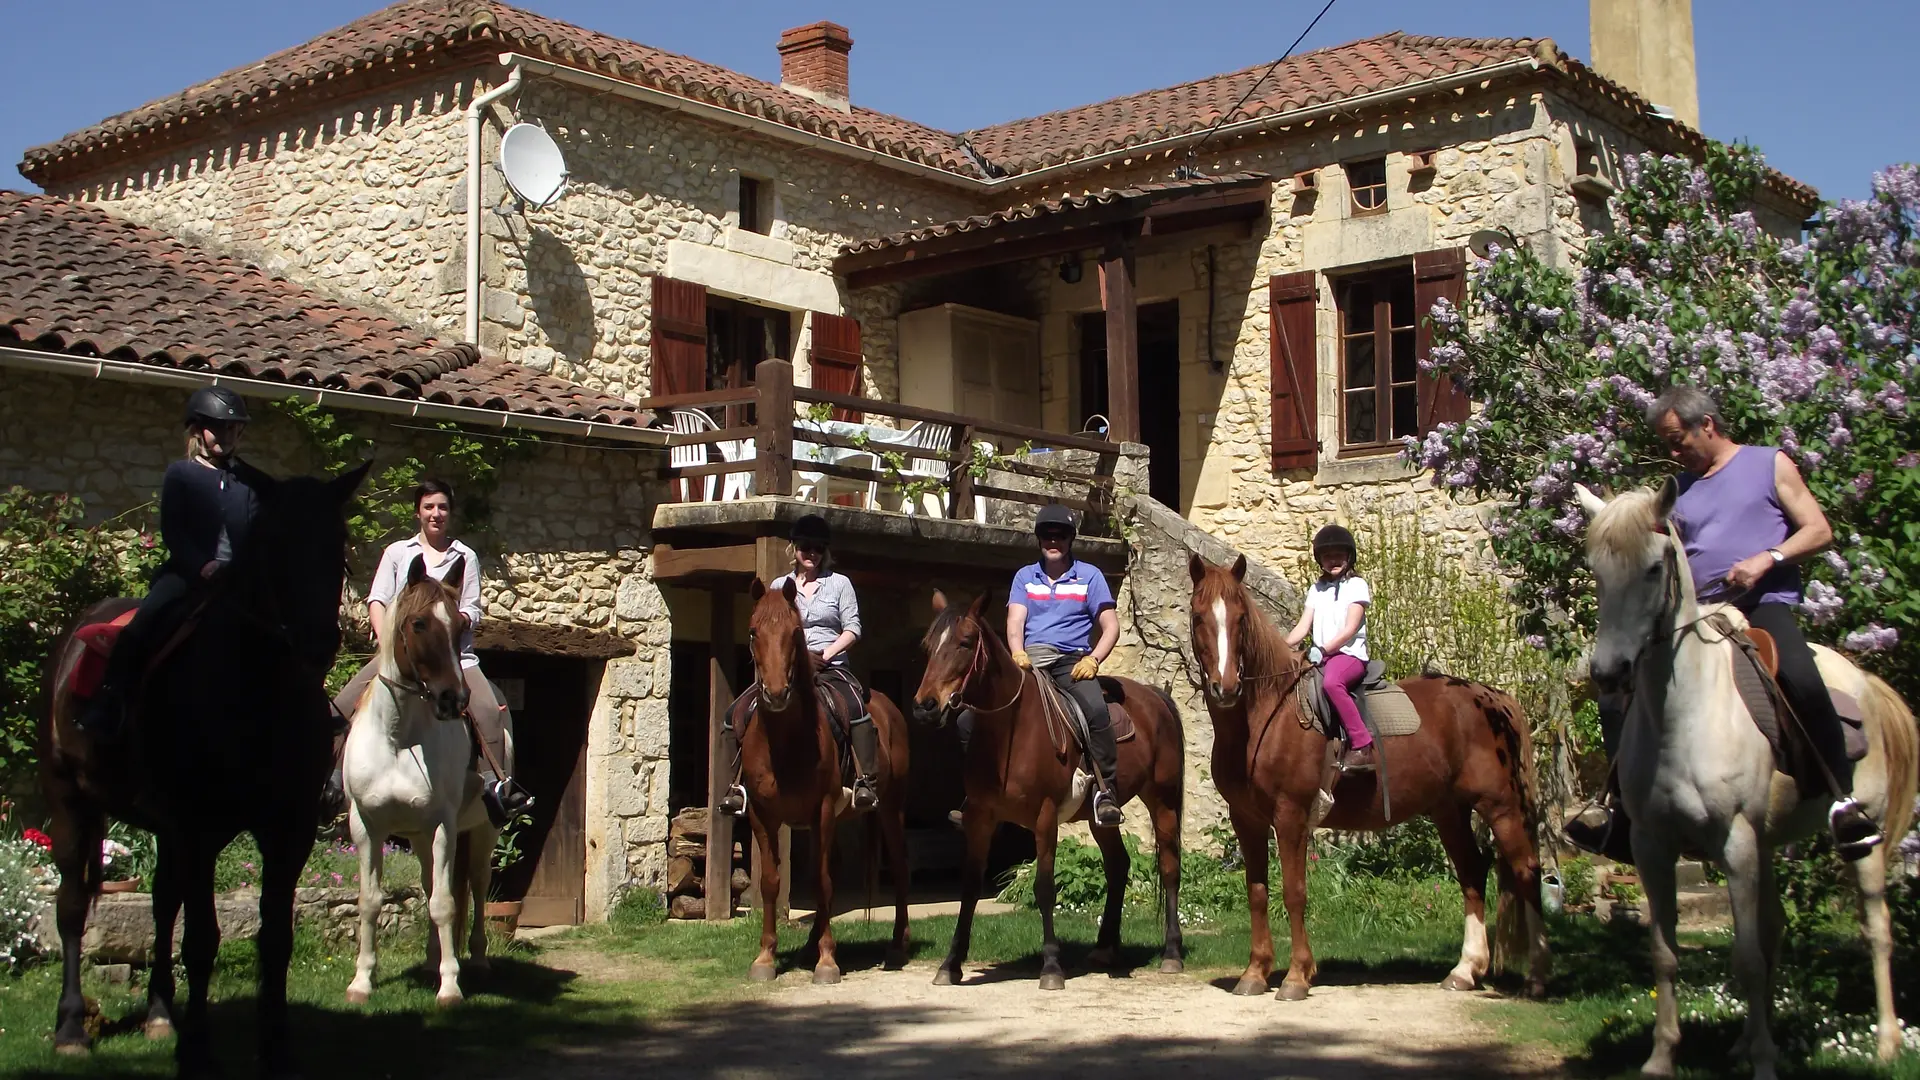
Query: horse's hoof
[[157, 1029], [449, 999], [1291, 991], [1102, 957], [761, 973], [896, 959], [1537, 989], [1172, 965], [946, 976], [1250, 986], [83, 1048], [826, 976], [1052, 980], [357, 997], [1456, 982]]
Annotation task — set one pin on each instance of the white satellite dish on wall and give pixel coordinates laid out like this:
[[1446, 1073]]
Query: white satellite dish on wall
[[532, 163]]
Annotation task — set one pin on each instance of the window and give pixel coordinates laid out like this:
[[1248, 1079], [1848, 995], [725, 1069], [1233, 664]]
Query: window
[[1587, 156], [755, 213], [1379, 389], [1367, 180], [739, 336]]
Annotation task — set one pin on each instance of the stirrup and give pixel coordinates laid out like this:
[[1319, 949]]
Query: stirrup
[[735, 800], [1848, 812], [866, 795], [1104, 801]]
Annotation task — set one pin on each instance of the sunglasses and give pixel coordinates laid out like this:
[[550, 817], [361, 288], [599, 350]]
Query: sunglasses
[[1053, 536], [810, 547]]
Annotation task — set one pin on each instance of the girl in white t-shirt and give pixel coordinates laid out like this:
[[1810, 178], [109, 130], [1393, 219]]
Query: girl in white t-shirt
[[1335, 613]]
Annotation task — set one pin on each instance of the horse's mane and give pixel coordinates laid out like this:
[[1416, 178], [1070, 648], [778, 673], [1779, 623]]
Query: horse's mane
[[1263, 648], [1619, 533]]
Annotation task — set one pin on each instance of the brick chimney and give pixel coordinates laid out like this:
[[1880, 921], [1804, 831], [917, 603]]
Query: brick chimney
[[813, 62], [1647, 46]]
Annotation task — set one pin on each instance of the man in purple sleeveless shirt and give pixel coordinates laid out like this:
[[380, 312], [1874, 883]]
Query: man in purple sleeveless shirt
[[1747, 520]]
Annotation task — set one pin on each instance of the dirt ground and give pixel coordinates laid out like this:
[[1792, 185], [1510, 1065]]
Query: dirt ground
[[998, 1024]]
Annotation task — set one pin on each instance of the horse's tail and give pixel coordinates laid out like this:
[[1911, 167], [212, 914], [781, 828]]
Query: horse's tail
[[1510, 946], [1901, 743], [1180, 744]]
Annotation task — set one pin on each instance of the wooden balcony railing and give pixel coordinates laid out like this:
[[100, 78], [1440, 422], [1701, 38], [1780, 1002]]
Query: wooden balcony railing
[[983, 460]]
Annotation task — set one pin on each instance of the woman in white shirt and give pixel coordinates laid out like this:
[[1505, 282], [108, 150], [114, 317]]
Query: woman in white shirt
[[1336, 615], [433, 509]]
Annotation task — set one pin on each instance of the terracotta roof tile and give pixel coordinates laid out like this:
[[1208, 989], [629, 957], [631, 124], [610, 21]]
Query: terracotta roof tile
[[1341, 71], [75, 280], [1149, 192]]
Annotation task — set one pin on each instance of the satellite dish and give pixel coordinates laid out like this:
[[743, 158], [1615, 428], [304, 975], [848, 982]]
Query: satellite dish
[[532, 163], [1483, 242]]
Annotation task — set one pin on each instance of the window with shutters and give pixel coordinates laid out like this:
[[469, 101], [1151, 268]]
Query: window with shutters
[[739, 336], [1379, 371]]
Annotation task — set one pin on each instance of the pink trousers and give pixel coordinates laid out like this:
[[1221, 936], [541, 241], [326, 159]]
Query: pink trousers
[[1343, 673]]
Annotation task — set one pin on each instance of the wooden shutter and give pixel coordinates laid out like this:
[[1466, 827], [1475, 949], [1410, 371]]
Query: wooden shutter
[[1294, 371], [1437, 274], [679, 336], [835, 358]]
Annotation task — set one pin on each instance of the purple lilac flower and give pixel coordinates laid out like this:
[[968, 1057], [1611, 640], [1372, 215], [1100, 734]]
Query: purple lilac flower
[[1892, 398], [1838, 563], [1445, 315], [1699, 189], [1443, 356], [1908, 460], [1875, 638], [1862, 484], [1900, 184], [1821, 603]]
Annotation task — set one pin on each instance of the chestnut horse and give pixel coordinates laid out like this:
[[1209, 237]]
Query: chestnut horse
[[1018, 771], [1472, 752], [790, 766]]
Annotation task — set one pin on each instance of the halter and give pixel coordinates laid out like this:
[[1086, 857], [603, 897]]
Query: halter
[[977, 665]]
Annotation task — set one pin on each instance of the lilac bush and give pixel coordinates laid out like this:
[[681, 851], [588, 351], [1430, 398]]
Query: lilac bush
[[1809, 346]]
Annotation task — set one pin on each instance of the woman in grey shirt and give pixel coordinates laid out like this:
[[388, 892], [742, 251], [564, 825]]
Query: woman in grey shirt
[[830, 618]]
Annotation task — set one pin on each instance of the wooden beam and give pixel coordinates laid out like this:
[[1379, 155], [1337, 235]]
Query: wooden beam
[[773, 451], [719, 880], [670, 563], [770, 558], [1123, 345]]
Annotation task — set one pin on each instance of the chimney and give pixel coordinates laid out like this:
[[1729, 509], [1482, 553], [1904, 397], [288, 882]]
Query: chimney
[[1647, 46], [813, 62]]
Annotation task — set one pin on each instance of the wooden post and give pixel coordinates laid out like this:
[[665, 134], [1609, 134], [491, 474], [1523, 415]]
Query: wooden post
[[1123, 345], [773, 446], [960, 492], [719, 879]]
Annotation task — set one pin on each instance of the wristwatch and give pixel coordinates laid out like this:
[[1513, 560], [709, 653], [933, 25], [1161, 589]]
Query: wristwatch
[[1778, 558]]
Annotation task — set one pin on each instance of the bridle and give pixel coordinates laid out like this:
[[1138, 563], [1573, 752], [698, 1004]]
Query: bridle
[[416, 687], [979, 664], [1293, 676]]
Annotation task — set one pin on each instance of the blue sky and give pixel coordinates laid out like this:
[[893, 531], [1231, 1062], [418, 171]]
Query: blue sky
[[1825, 90]]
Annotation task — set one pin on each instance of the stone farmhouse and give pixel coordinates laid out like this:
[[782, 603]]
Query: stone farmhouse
[[1199, 322]]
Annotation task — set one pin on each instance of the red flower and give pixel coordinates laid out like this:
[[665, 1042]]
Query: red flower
[[36, 837]]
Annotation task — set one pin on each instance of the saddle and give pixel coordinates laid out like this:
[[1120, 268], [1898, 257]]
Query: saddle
[[1384, 707], [99, 638], [843, 699], [1118, 718], [1756, 671]]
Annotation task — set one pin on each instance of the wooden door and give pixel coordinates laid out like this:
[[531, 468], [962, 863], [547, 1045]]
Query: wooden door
[[550, 750]]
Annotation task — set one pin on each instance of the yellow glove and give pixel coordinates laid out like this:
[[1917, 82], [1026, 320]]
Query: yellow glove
[[1086, 669], [1020, 660]]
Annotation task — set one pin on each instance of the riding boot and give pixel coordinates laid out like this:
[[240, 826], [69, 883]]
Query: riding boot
[[503, 798], [1106, 758], [1603, 829], [866, 760], [734, 800], [333, 796]]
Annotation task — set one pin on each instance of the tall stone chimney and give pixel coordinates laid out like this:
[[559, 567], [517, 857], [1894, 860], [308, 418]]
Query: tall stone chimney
[[1647, 46], [813, 62]]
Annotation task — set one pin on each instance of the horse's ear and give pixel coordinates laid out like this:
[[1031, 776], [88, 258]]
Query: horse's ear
[[1240, 567], [979, 604], [790, 589], [418, 571], [1669, 493], [1589, 502], [939, 603], [1196, 567], [343, 486], [456, 573], [758, 590]]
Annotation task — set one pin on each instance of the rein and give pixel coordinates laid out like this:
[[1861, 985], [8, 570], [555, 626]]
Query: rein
[[978, 665]]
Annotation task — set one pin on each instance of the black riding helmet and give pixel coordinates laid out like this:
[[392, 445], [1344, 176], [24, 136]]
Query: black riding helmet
[[811, 527], [1336, 537], [218, 405], [1054, 516]]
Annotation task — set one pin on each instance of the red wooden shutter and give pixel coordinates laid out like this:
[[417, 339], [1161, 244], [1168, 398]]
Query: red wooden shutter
[[1294, 371], [1437, 274], [836, 358], [679, 336]]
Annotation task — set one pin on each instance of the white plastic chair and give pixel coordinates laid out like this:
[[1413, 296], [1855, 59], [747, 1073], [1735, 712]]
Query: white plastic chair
[[691, 422], [926, 436], [821, 487], [739, 485]]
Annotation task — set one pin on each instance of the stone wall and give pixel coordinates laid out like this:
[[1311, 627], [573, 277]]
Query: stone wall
[[120, 926], [568, 545]]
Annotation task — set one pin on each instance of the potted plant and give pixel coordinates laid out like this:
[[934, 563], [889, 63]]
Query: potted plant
[[506, 851]]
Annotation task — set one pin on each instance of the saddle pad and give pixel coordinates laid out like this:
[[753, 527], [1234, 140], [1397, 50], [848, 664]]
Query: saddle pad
[[1757, 693], [98, 638], [1390, 710]]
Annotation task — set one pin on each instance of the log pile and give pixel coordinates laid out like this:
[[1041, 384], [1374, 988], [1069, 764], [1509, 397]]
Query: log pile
[[687, 866]]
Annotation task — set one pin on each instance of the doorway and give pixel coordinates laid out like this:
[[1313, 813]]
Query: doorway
[[1159, 349], [551, 698]]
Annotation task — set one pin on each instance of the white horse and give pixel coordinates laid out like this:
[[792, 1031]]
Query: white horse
[[408, 773], [1696, 774]]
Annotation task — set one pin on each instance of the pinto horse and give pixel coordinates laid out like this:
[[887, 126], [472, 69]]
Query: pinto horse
[[1472, 752], [790, 766], [408, 772], [1019, 770], [232, 732]]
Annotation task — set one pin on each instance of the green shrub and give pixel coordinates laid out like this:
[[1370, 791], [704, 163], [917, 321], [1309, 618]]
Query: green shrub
[[638, 909], [1576, 880]]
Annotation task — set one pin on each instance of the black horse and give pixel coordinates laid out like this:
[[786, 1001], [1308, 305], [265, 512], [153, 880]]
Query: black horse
[[231, 732]]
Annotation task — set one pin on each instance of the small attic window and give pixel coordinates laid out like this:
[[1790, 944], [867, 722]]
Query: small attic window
[[1587, 154], [1367, 180], [756, 209]]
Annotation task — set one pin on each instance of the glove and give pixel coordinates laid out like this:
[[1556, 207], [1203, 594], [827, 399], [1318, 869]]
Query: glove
[[1086, 669], [1020, 660]]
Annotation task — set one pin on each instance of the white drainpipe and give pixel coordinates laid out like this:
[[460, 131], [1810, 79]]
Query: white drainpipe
[[475, 183]]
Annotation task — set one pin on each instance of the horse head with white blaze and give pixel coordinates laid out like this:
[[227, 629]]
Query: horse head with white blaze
[[1641, 574]]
